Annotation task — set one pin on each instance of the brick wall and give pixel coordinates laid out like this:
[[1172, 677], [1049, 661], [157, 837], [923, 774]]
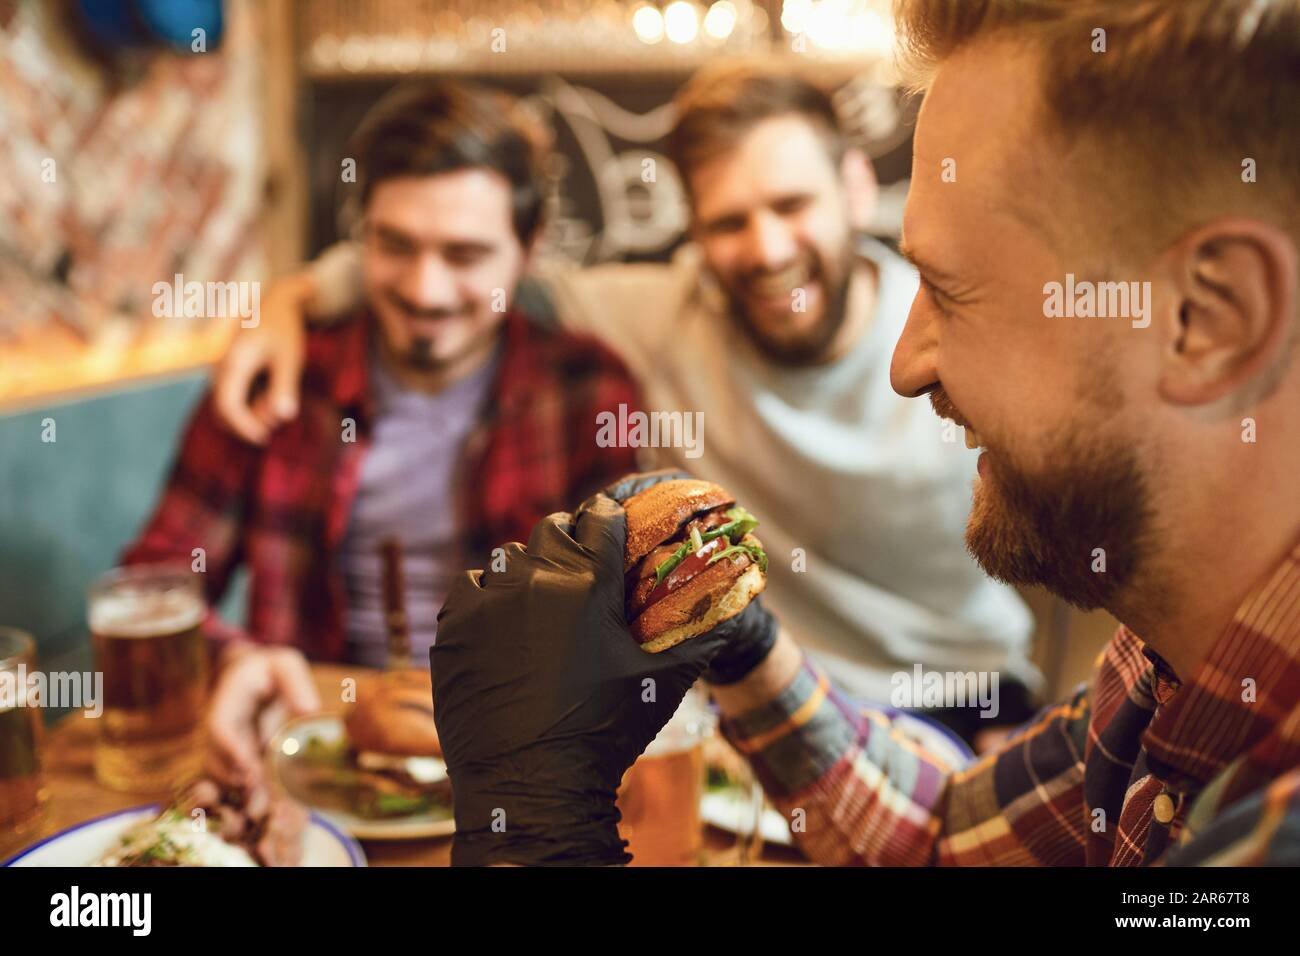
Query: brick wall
[[112, 179]]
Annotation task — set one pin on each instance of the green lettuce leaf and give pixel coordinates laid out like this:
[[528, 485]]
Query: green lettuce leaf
[[756, 554], [741, 523]]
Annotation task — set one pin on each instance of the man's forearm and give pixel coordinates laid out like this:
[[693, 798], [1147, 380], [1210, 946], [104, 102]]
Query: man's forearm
[[320, 292], [335, 283], [297, 290], [764, 683], [827, 764]]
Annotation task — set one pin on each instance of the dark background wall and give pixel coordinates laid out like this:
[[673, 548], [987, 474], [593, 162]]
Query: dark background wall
[[579, 207]]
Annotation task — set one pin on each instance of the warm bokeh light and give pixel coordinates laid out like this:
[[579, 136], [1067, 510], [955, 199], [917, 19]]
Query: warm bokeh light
[[841, 26], [648, 24], [720, 20], [681, 21], [795, 14]]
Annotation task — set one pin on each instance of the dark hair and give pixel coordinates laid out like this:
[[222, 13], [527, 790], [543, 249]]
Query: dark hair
[[721, 104], [424, 129]]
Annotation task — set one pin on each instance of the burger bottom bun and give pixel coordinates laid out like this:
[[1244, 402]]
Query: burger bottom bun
[[730, 603]]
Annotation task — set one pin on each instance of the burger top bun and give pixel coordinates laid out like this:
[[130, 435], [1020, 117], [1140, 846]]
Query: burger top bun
[[654, 515], [394, 715]]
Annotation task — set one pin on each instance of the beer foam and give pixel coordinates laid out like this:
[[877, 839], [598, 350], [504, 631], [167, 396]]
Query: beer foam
[[146, 613]]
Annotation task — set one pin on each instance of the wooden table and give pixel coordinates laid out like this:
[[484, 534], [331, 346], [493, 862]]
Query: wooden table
[[75, 796]]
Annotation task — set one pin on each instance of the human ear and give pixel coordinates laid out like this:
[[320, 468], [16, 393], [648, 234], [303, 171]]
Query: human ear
[[1234, 314]]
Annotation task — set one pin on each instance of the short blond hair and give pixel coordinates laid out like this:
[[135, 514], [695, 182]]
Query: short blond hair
[[1185, 94]]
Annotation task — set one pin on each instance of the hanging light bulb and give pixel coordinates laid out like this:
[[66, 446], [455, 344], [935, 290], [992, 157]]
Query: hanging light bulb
[[795, 15], [720, 20], [648, 24], [681, 21]]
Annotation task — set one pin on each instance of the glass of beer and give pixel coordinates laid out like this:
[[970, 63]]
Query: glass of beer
[[146, 626], [659, 798], [22, 791]]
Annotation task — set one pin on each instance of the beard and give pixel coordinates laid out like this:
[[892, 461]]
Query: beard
[[1046, 527], [810, 347], [420, 354]]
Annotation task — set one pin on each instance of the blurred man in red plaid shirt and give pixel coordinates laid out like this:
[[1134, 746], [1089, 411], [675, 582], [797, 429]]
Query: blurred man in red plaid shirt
[[437, 416]]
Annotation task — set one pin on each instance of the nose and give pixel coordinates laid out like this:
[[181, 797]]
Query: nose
[[914, 370], [429, 284], [771, 244]]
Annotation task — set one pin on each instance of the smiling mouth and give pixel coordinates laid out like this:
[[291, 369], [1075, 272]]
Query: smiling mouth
[[433, 319], [946, 410], [774, 286], [432, 322]]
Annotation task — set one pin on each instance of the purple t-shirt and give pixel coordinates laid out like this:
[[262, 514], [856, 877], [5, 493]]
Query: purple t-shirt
[[406, 492]]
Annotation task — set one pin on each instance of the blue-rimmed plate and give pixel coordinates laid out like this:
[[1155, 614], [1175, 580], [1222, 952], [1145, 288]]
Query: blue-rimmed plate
[[324, 844]]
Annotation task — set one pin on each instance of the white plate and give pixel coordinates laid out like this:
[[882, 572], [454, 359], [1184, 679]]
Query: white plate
[[732, 809], [81, 845], [329, 728]]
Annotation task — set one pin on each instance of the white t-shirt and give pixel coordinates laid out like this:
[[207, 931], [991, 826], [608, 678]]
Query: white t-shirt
[[830, 459]]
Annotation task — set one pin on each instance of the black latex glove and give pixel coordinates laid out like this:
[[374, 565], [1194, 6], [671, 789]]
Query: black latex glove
[[543, 697], [749, 636]]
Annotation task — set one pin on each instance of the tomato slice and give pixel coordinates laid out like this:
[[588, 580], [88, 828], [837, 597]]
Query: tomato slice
[[691, 565]]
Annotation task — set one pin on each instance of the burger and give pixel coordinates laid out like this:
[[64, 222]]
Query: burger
[[691, 561], [395, 744]]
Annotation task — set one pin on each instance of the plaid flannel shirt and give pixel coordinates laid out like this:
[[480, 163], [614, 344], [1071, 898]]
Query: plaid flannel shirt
[[283, 509], [1134, 769]]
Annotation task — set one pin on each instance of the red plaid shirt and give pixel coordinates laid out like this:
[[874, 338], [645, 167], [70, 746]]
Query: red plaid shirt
[[1136, 768], [283, 509]]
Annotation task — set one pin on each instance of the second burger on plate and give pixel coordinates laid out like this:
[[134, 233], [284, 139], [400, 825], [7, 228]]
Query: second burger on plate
[[391, 730]]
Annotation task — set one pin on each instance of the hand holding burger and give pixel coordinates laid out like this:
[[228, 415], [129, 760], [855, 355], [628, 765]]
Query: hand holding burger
[[545, 697], [750, 635]]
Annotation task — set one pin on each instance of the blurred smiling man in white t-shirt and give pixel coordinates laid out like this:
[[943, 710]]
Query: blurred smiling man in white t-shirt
[[777, 322]]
